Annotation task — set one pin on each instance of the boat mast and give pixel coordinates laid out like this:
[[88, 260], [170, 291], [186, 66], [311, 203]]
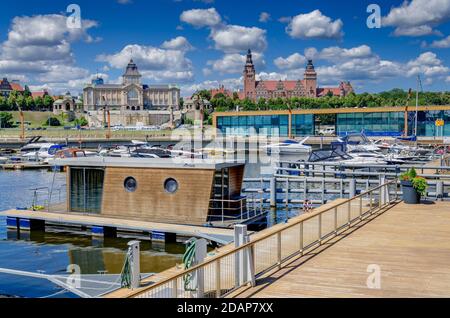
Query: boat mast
[[417, 106]]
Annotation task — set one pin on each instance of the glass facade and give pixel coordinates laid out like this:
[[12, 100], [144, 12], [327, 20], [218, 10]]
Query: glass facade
[[373, 123], [376, 124], [271, 125], [303, 125], [426, 123], [86, 190]]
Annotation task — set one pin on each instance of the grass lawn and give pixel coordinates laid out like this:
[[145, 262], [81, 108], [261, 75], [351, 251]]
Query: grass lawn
[[36, 119]]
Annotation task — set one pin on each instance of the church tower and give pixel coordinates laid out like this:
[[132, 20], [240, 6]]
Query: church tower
[[250, 78], [310, 80]]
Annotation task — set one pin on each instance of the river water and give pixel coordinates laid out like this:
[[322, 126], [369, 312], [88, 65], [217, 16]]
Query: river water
[[51, 253]]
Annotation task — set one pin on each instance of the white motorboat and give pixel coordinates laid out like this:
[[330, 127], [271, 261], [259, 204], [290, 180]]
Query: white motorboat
[[45, 151], [289, 147], [3, 160]]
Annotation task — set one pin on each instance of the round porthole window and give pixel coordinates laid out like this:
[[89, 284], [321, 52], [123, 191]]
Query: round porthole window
[[171, 185], [130, 184]]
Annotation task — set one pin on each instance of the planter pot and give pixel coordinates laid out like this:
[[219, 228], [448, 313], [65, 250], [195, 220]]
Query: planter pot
[[410, 195]]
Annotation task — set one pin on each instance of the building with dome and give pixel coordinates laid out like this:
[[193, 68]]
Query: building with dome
[[131, 94]]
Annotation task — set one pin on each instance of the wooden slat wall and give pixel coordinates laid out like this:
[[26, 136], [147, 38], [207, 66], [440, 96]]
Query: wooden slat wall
[[150, 202], [236, 179]]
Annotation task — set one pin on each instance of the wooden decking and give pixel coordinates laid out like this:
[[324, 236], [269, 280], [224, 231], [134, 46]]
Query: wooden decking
[[410, 244]]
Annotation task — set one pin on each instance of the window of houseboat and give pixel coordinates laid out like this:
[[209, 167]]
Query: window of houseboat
[[86, 190]]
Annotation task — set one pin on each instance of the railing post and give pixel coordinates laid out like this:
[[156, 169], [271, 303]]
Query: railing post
[[371, 199], [349, 213], [301, 238], [175, 288], [440, 190], [241, 260], [273, 192], [335, 220], [279, 249], [218, 285], [320, 229], [360, 207], [352, 188], [287, 194], [251, 265]]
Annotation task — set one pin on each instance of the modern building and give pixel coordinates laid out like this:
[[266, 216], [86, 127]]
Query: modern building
[[130, 95], [306, 87], [6, 87], [377, 121]]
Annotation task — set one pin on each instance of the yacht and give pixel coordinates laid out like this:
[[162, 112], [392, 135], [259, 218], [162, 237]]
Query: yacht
[[45, 151], [290, 147], [351, 158]]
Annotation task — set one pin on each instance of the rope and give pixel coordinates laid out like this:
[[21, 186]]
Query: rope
[[125, 276], [188, 260]]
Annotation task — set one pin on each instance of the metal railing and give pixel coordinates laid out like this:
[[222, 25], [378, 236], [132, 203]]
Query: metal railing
[[233, 210], [240, 266]]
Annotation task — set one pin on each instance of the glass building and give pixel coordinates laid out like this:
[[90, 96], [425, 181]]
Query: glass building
[[373, 124], [271, 125], [378, 121]]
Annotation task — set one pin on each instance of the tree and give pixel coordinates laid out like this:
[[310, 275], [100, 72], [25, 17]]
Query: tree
[[205, 94], [39, 103], [48, 102], [6, 120], [27, 92], [52, 122], [81, 122]]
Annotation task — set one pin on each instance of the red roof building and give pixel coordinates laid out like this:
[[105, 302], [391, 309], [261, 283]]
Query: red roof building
[[306, 87]]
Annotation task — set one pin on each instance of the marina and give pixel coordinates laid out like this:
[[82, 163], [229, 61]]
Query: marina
[[203, 150]]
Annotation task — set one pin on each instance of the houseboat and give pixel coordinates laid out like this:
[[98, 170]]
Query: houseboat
[[155, 190]]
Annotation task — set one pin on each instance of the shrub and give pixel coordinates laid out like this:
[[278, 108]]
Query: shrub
[[52, 122], [419, 183]]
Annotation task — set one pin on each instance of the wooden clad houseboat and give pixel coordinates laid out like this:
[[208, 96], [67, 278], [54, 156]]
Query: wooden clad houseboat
[[157, 190]]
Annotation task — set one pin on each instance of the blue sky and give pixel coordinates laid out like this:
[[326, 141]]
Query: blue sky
[[201, 43]]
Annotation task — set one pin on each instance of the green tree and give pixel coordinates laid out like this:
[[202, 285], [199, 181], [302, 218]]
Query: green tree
[[48, 102], [205, 94], [39, 103], [6, 120]]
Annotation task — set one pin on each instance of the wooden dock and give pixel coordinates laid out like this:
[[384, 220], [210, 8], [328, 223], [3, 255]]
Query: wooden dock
[[409, 244], [220, 235]]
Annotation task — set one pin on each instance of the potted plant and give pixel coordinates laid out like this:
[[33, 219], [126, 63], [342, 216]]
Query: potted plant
[[413, 187]]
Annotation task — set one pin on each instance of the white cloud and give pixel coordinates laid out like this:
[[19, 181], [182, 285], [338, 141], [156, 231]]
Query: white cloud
[[359, 64], [235, 38], [233, 84], [201, 17], [293, 61], [441, 44], [427, 64], [39, 48], [336, 53], [264, 17], [447, 79], [179, 43], [418, 17], [314, 25], [154, 63], [234, 63]]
